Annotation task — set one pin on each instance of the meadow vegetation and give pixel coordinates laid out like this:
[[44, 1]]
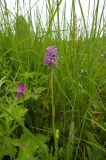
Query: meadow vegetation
[[61, 114]]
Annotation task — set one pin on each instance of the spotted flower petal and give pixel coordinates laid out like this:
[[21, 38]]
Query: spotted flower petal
[[51, 57]]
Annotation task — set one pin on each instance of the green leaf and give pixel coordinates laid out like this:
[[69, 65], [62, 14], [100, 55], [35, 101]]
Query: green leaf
[[6, 147], [94, 151], [2, 81], [27, 147]]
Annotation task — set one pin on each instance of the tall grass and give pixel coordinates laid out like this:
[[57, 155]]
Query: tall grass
[[79, 82]]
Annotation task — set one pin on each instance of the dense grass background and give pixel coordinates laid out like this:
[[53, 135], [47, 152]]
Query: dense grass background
[[79, 84]]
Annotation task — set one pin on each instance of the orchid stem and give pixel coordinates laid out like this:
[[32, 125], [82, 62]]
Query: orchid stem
[[53, 118]]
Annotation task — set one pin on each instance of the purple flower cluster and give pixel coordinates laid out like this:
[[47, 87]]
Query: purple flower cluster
[[21, 90], [51, 57]]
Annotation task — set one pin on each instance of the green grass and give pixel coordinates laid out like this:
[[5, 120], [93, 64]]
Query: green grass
[[77, 92]]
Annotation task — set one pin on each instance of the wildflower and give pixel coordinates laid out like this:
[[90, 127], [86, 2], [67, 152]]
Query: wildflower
[[18, 94], [51, 57], [21, 90]]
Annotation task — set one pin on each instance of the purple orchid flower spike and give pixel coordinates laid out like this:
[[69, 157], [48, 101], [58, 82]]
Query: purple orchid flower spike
[[51, 57]]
